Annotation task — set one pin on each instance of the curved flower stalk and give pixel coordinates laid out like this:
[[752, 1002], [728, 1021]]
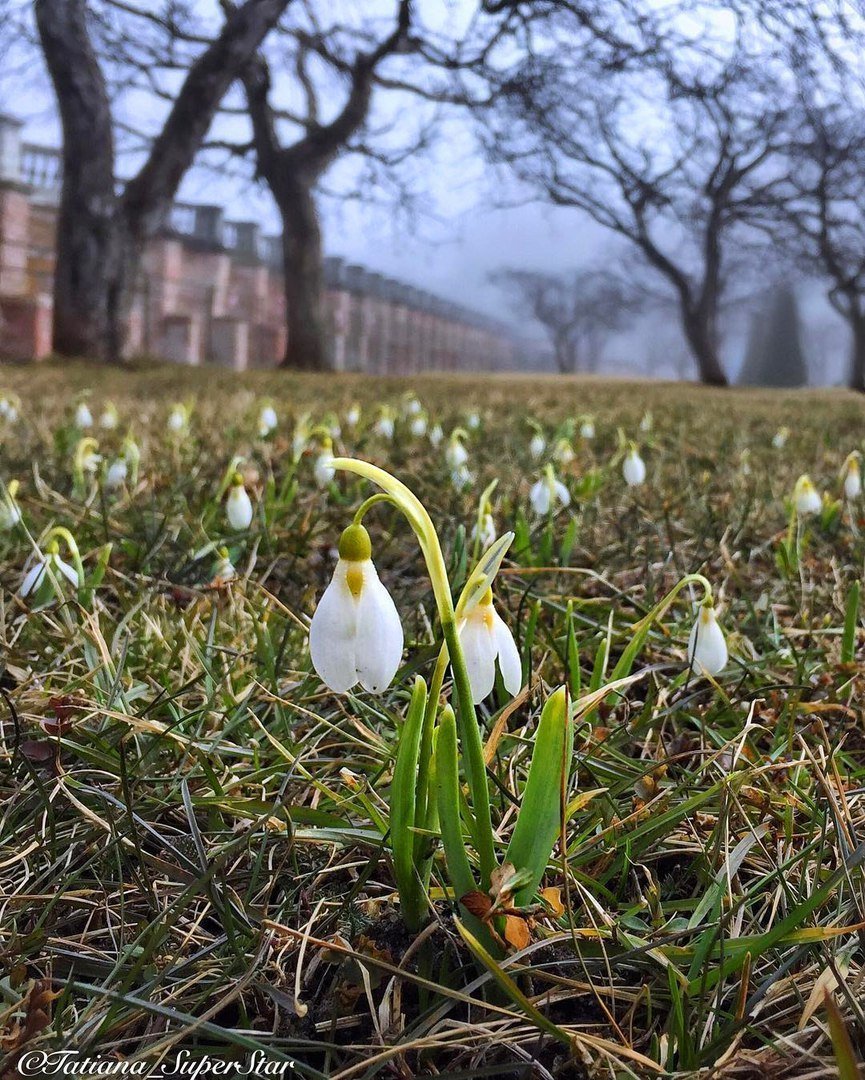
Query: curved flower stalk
[[10, 511], [547, 492], [418, 518]]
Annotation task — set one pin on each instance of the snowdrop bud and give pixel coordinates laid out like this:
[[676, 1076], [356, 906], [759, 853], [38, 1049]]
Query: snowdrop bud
[[418, 426], [634, 468], [806, 498], [324, 471], [485, 638], [109, 418], [352, 415], [456, 454], [238, 505], [83, 416], [10, 511], [548, 491], [779, 439], [267, 421], [707, 648], [851, 473], [355, 634], [537, 445], [587, 429], [436, 434], [116, 475]]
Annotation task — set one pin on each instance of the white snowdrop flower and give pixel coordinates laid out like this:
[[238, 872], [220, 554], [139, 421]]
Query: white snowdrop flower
[[633, 468], [418, 426], [178, 419], [587, 429], [779, 439], [89, 459], [486, 533], [473, 420], [355, 634], [563, 452], [485, 638], [461, 477], [38, 572], [646, 422], [267, 421], [537, 445], [10, 511], [238, 505], [352, 415], [300, 438], [436, 435], [806, 498], [707, 647], [109, 418], [324, 471], [7, 410], [413, 407], [116, 475], [851, 473], [456, 454], [384, 426], [546, 492], [223, 568], [83, 416]]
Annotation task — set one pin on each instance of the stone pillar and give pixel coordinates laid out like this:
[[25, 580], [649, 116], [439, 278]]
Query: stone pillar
[[229, 342], [25, 327], [14, 239]]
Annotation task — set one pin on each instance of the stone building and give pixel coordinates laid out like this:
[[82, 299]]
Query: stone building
[[210, 291]]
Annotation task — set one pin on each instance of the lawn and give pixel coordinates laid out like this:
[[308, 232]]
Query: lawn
[[202, 847]]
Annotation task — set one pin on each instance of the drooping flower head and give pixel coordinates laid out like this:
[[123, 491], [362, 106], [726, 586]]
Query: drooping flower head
[[45, 576], [779, 439], [352, 415], [486, 638], [355, 634], [267, 421], [83, 416], [178, 419], [537, 445], [384, 425], [563, 452], [587, 427], [324, 471], [456, 454], [10, 511], [806, 498], [110, 417], [238, 505], [547, 492], [473, 420], [436, 435], [418, 425], [851, 475], [633, 468], [707, 647]]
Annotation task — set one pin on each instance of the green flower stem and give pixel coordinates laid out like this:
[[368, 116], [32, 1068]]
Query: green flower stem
[[368, 504], [470, 736], [426, 799]]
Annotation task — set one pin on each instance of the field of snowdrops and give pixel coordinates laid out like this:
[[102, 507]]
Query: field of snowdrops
[[533, 747]]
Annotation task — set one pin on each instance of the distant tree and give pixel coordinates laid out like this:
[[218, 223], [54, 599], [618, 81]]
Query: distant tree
[[293, 169], [774, 355], [103, 222], [657, 139], [576, 309]]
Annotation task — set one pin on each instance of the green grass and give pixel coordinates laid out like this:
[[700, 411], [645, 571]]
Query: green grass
[[193, 831]]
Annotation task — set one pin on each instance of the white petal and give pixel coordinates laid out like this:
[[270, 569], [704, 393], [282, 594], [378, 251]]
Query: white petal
[[378, 647], [238, 508], [65, 569], [539, 497], [33, 578], [509, 655], [707, 647], [563, 494], [479, 649], [332, 635]]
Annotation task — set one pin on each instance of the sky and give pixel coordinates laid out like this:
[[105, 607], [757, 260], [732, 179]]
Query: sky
[[455, 233]]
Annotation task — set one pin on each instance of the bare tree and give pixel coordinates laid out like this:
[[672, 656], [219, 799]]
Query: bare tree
[[293, 170], [576, 309], [661, 141], [102, 224]]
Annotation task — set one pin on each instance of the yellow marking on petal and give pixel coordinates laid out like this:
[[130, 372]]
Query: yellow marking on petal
[[354, 578]]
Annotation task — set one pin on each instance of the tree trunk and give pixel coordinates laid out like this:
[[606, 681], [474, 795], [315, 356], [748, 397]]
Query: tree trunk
[[857, 353], [87, 249], [307, 348], [704, 348]]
